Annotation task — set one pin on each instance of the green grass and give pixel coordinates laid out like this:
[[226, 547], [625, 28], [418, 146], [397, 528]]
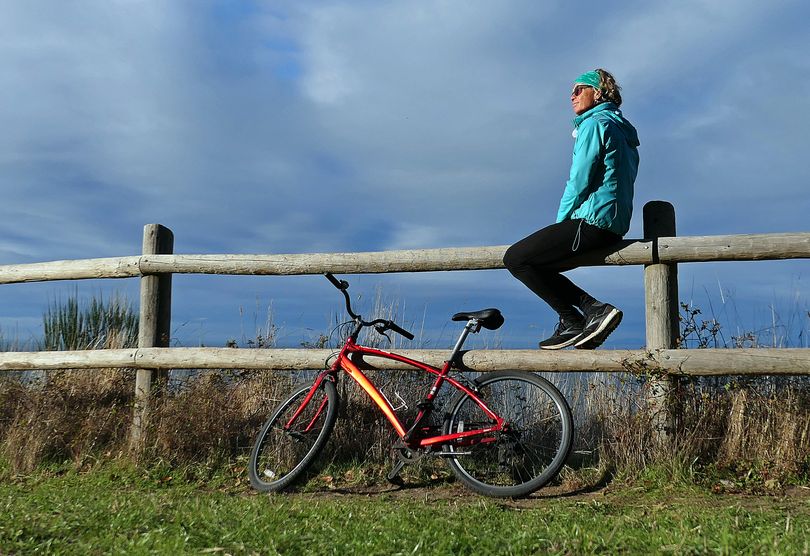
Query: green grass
[[117, 509]]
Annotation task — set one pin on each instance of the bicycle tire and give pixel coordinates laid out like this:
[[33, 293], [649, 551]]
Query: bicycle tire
[[516, 462], [280, 457]]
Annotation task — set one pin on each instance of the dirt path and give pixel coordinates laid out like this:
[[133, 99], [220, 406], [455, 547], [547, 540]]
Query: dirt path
[[792, 497]]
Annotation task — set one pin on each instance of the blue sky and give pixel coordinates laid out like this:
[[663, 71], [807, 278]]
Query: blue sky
[[287, 127]]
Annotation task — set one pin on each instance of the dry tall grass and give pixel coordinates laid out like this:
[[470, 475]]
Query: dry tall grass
[[728, 424], [83, 417], [77, 416]]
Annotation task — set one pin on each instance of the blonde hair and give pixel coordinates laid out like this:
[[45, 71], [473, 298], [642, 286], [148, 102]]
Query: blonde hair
[[609, 88]]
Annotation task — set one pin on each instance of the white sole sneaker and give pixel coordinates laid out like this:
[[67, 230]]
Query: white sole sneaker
[[607, 325], [561, 345]]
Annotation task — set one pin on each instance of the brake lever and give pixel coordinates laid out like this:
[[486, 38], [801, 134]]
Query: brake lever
[[381, 331]]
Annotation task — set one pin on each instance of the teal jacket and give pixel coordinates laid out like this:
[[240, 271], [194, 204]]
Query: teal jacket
[[600, 187]]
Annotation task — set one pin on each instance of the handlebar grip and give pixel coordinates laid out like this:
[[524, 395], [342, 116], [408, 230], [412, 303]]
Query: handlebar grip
[[399, 330], [339, 284]]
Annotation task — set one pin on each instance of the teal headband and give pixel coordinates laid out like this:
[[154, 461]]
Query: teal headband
[[590, 78]]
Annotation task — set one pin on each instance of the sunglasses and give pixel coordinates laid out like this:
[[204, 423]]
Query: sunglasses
[[578, 89]]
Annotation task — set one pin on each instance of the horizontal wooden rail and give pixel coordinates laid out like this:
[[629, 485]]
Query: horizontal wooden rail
[[745, 247], [81, 269], [694, 362]]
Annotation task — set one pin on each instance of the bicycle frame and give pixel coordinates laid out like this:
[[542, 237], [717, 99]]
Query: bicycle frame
[[410, 437]]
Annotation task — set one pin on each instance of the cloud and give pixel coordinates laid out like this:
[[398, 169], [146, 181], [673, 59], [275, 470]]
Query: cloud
[[350, 126]]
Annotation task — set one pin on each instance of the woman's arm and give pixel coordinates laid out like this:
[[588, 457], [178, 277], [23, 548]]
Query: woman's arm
[[586, 162]]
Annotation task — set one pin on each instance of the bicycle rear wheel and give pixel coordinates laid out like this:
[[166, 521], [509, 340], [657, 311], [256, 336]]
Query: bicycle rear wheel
[[285, 449], [529, 452]]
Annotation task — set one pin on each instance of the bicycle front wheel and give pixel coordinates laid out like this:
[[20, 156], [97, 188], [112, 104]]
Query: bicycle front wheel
[[531, 449], [287, 447]]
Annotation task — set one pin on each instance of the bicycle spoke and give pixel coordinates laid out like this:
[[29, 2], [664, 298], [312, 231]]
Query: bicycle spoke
[[281, 455], [533, 445]]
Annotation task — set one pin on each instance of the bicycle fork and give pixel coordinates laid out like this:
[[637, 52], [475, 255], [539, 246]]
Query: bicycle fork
[[315, 387]]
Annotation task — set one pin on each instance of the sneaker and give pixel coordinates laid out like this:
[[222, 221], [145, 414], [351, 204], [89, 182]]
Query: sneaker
[[565, 334], [599, 323]]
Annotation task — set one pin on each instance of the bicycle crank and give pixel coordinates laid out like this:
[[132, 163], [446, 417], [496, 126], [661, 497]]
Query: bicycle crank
[[401, 455], [404, 454]]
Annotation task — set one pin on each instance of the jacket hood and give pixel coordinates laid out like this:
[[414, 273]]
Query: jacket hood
[[609, 111]]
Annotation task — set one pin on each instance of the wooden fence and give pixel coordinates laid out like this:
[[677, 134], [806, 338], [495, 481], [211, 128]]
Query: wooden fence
[[660, 251]]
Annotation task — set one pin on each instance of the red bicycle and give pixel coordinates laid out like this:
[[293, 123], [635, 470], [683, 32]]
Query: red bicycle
[[504, 433]]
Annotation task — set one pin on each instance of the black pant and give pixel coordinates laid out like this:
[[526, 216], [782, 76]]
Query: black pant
[[538, 260]]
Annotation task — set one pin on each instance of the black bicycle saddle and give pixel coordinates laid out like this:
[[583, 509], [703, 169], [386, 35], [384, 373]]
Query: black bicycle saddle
[[491, 319]]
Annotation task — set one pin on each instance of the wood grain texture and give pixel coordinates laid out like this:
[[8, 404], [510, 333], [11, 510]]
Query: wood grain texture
[[748, 247], [685, 362]]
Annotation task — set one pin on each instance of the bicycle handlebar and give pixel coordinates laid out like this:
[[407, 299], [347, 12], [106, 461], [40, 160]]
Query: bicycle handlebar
[[339, 284], [343, 285], [399, 330]]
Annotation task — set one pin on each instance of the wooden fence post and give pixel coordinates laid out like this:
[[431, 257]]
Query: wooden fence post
[[155, 322], [661, 302]]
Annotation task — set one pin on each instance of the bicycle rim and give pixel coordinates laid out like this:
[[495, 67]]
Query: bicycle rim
[[281, 455], [532, 449]]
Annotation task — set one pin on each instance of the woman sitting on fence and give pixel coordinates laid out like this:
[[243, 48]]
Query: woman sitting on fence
[[594, 212]]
